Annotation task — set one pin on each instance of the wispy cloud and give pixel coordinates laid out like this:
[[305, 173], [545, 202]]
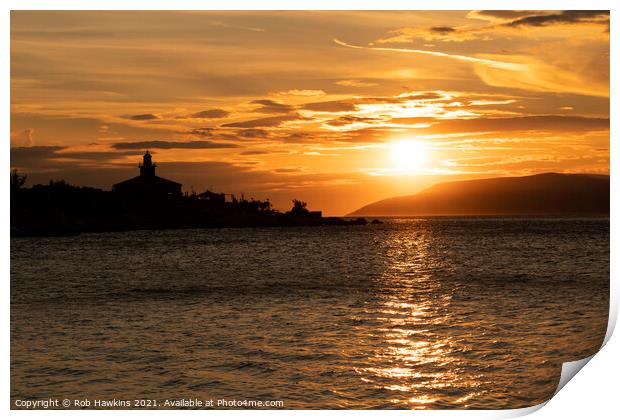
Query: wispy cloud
[[300, 92], [485, 61], [504, 23], [143, 117], [264, 122], [564, 17], [234, 26], [522, 72], [355, 83], [163, 144], [210, 113], [22, 138], [268, 106]]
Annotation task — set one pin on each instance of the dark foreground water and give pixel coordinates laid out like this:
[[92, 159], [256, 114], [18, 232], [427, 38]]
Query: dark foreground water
[[434, 313]]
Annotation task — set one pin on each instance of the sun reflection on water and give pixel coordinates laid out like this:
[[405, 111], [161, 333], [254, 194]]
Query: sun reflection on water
[[416, 365]]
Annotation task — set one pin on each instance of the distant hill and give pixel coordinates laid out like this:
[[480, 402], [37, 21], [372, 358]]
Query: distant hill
[[543, 194]]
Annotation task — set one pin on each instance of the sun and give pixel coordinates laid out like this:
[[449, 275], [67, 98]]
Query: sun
[[409, 155]]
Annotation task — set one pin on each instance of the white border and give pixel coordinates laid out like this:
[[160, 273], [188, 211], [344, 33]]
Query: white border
[[592, 394], [309, 5]]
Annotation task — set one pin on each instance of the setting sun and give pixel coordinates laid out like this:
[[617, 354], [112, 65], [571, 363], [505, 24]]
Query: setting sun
[[409, 155]]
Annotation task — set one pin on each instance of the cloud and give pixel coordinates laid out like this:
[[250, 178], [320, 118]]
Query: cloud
[[517, 71], [330, 106], [434, 33], [502, 20], [160, 144], [442, 29], [487, 102], [365, 135], [253, 133], [233, 26], [143, 117], [520, 18], [91, 155], [529, 164], [564, 17], [542, 76], [255, 152], [501, 15], [416, 96], [267, 106], [355, 83], [300, 92], [201, 131], [51, 156], [297, 137], [351, 105], [22, 138], [287, 170], [210, 113], [351, 120], [483, 61], [553, 123], [264, 122], [37, 156]]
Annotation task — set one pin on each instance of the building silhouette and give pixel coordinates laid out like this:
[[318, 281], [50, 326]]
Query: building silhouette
[[147, 183]]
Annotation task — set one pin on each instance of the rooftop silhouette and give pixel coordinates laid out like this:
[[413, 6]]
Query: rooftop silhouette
[[147, 183]]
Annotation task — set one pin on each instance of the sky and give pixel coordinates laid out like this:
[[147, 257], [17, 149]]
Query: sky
[[338, 109]]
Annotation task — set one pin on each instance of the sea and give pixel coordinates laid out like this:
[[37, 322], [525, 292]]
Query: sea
[[426, 313]]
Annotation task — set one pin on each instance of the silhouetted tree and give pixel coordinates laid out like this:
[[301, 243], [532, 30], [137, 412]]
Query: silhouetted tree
[[17, 180], [299, 208], [264, 205]]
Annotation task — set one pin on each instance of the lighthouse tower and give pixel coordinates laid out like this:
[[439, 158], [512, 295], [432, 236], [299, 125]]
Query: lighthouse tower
[[148, 167]]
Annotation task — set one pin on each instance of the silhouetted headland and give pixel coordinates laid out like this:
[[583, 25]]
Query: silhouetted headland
[[144, 202], [549, 194]]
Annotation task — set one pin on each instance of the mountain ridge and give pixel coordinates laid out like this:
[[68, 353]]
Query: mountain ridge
[[541, 194]]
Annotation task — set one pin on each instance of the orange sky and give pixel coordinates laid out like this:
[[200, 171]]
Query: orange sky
[[336, 108]]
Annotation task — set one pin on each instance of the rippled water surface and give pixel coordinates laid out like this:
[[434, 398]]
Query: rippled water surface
[[426, 313]]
